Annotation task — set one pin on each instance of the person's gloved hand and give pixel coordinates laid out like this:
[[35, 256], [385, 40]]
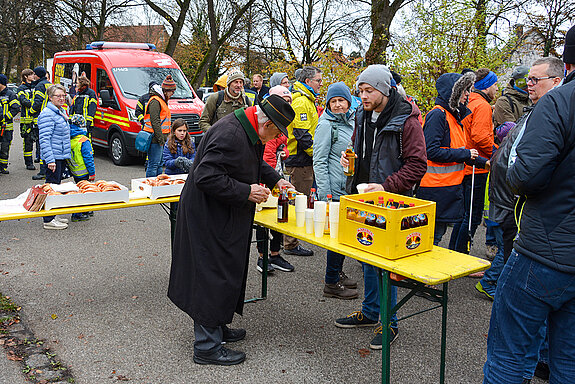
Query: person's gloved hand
[[179, 162], [92, 177], [187, 164]]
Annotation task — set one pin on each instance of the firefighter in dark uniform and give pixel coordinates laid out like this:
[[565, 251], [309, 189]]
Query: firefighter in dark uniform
[[142, 102], [41, 86], [26, 97], [9, 107], [85, 103]]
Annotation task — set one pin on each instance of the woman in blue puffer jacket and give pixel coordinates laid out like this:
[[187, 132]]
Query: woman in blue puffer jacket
[[54, 143], [332, 135]]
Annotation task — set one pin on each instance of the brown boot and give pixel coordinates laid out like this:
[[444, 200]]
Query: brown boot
[[347, 281], [338, 291]]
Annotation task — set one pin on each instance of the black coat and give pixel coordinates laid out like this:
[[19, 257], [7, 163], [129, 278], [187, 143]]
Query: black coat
[[543, 172], [214, 224]]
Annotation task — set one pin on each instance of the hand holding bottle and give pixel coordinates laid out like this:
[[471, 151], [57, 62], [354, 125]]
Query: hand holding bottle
[[258, 194]]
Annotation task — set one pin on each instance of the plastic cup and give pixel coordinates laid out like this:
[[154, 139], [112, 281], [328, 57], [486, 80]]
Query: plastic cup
[[300, 203], [333, 212], [300, 218], [319, 211], [333, 229], [318, 227], [361, 187], [309, 221]]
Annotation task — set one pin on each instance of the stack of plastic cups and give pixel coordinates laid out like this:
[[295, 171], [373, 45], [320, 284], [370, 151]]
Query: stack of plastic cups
[[319, 213], [333, 219], [309, 220], [300, 207]]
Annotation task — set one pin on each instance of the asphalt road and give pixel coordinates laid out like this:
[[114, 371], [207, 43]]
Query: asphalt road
[[105, 280]]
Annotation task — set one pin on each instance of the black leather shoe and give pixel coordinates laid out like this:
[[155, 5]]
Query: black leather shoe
[[231, 335], [223, 356], [4, 171], [39, 176], [299, 251], [30, 167]]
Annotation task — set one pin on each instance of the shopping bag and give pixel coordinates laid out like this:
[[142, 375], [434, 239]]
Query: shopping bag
[[143, 141]]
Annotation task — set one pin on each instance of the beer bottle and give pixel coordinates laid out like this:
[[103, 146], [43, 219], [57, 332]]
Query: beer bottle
[[350, 155], [380, 201], [311, 198], [361, 215], [380, 222], [283, 204], [405, 223], [390, 203], [370, 219]]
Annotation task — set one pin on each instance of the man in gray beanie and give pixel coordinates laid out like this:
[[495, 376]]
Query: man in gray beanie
[[514, 98], [391, 156], [226, 101]]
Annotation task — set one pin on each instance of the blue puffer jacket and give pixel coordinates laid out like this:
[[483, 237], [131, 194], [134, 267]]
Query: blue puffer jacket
[[54, 134], [170, 158], [332, 135]]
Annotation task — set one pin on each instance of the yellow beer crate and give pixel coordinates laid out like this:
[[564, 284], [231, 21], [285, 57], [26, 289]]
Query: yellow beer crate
[[407, 230]]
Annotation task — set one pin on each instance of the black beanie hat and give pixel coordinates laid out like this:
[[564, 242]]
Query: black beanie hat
[[569, 50], [278, 111], [40, 72]]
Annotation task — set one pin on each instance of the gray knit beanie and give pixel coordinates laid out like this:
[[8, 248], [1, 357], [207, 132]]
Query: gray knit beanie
[[378, 76], [277, 78]]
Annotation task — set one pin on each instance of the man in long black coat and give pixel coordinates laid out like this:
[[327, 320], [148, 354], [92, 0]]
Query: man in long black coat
[[214, 224]]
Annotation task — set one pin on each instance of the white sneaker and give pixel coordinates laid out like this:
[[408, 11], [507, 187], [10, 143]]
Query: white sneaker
[[55, 224], [62, 220]]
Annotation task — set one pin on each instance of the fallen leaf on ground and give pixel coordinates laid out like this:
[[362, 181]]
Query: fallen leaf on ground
[[134, 297], [54, 316], [122, 378], [363, 352], [12, 356], [309, 352]]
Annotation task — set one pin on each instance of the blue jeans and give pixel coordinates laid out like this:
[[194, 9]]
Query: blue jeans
[[333, 267], [528, 293], [490, 236], [489, 280], [154, 160], [440, 229], [460, 236], [370, 305]]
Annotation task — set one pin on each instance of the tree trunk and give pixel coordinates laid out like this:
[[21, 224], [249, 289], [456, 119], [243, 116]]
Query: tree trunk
[[382, 14]]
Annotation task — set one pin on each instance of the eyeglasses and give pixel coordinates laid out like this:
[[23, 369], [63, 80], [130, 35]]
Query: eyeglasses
[[60, 96], [319, 81], [535, 80]]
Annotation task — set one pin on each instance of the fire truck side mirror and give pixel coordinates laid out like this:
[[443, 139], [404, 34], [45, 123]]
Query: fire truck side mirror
[[106, 99]]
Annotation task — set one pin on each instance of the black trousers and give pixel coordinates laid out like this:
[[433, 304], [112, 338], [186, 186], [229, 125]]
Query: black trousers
[[208, 339]]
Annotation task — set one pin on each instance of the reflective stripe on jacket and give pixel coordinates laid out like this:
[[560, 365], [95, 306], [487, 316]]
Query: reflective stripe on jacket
[[446, 174], [76, 164], [165, 116]]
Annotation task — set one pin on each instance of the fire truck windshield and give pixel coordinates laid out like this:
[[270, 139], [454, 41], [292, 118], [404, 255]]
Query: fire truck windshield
[[134, 81]]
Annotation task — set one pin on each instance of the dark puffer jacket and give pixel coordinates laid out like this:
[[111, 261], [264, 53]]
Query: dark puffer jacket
[[543, 172]]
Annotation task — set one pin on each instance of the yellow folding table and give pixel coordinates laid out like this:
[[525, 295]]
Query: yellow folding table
[[438, 266]]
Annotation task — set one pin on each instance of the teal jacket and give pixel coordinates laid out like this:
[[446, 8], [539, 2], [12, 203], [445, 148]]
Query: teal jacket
[[332, 135]]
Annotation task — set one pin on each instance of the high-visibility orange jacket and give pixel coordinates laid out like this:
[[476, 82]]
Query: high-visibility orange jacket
[[479, 128], [446, 174], [165, 116]]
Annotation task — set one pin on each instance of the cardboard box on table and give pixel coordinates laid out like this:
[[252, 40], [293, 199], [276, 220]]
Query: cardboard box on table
[[155, 192], [79, 199], [391, 242]]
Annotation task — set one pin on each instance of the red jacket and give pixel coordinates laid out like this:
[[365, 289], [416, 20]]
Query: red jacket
[[270, 152]]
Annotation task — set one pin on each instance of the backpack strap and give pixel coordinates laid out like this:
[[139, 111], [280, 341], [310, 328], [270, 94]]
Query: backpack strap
[[513, 106], [218, 103]]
